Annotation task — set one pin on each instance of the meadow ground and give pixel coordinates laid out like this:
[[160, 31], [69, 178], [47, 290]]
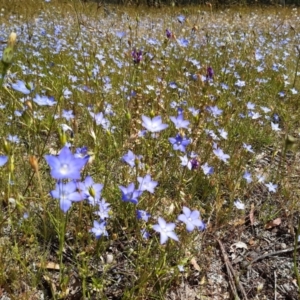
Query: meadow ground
[[149, 153]]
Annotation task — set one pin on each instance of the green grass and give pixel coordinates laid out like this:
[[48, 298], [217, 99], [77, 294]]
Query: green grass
[[124, 265]]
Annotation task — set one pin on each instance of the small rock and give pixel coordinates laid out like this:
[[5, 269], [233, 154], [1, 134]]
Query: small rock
[[283, 245]]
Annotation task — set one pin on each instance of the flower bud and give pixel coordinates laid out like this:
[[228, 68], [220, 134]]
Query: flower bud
[[11, 166], [6, 147], [34, 163], [92, 191], [62, 137]]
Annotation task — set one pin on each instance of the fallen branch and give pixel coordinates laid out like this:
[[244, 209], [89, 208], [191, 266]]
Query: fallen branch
[[272, 254], [234, 280]]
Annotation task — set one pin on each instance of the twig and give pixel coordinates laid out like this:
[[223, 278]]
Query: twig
[[231, 273], [275, 285], [297, 246], [272, 254]]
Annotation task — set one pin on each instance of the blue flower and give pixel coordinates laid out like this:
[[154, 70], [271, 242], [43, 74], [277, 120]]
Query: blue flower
[[179, 142], [183, 42], [103, 209], [142, 214], [215, 111], [179, 122], [207, 170], [3, 160], [100, 120], [239, 205], [147, 184], [68, 114], [221, 155], [248, 148], [247, 176], [130, 194], [166, 230], [20, 86], [271, 187], [99, 229], [153, 125], [66, 193], [145, 234], [181, 18], [13, 139], [91, 190], [130, 158], [190, 218], [81, 152], [120, 34], [44, 100], [65, 165]]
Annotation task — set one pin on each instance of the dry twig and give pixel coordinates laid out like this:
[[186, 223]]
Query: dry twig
[[232, 274]]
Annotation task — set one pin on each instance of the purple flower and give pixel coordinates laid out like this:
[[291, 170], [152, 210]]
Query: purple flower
[[209, 73], [137, 56], [147, 184], [153, 125], [65, 165], [194, 163], [66, 193], [130, 194], [166, 230], [142, 214], [190, 218], [179, 142], [99, 229], [168, 33], [179, 122]]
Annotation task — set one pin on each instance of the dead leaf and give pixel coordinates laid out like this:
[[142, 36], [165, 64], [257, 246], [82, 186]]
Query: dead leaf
[[49, 265], [251, 215], [203, 280], [238, 222], [238, 245], [252, 242], [273, 223], [195, 264]]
